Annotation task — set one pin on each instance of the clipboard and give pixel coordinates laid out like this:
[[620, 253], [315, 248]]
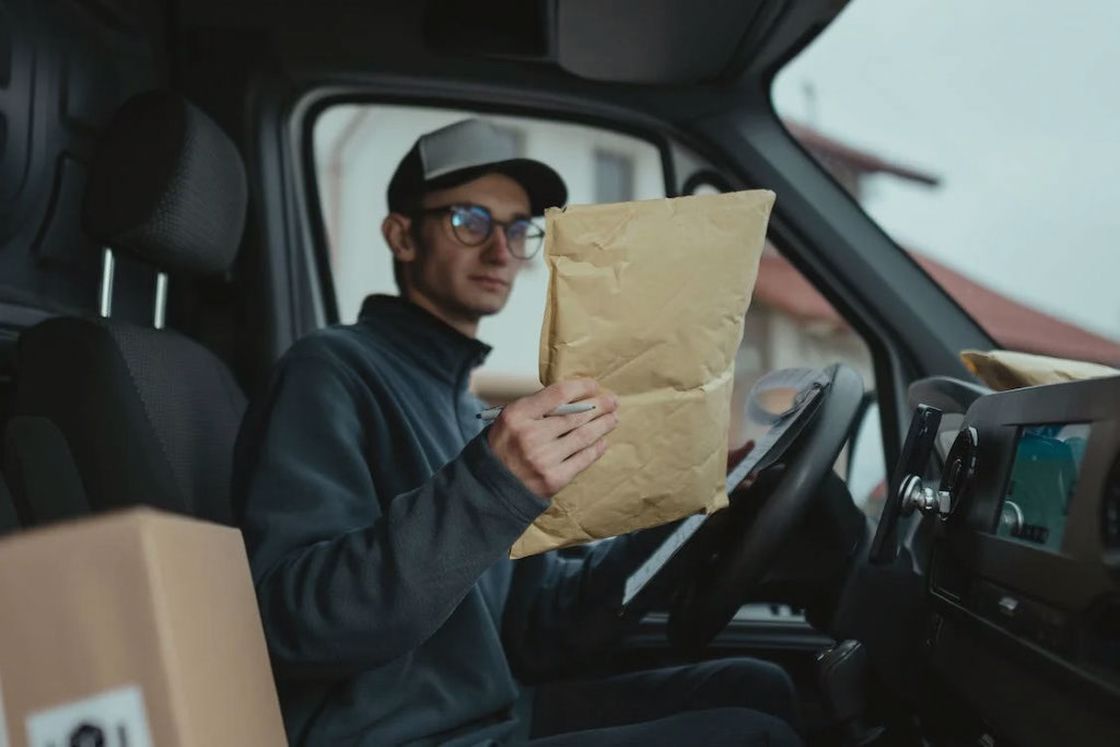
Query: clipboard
[[785, 427]]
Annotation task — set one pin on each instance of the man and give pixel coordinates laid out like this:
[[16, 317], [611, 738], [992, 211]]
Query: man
[[378, 515]]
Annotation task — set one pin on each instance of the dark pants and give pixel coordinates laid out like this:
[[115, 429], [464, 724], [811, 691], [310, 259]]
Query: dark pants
[[723, 702]]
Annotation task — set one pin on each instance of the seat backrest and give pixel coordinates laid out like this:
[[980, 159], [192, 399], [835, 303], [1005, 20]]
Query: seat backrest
[[43, 481], [149, 415]]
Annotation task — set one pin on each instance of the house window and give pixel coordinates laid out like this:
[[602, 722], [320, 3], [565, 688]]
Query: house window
[[614, 177], [515, 138], [357, 149]]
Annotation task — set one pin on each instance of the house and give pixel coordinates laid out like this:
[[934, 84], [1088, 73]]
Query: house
[[790, 324], [784, 295]]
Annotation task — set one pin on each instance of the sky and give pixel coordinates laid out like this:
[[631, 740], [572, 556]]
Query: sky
[[1015, 106]]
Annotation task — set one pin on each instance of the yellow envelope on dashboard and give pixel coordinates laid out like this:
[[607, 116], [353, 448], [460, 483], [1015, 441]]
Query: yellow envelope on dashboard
[[1007, 369], [648, 299]]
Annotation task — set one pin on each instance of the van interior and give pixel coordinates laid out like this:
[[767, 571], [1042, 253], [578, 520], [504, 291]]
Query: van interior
[[978, 603]]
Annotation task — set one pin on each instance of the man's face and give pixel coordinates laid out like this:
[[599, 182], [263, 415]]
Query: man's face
[[464, 283]]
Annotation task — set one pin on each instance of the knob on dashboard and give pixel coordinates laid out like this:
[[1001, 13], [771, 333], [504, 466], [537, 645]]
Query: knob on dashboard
[[956, 480], [916, 452], [960, 466]]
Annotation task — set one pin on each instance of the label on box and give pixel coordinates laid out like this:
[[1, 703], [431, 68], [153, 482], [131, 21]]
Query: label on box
[[114, 718]]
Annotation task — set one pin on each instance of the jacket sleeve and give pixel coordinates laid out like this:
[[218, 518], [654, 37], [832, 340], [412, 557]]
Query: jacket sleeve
[[564, 612], [346, 581]]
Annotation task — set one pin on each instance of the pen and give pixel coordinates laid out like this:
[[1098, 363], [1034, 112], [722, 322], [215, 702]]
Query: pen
[[571, 409]]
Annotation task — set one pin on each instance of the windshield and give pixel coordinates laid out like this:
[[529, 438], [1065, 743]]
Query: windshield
[[982, 137]]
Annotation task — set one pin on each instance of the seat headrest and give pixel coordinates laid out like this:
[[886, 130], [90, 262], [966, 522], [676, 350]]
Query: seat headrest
[[167, 186]]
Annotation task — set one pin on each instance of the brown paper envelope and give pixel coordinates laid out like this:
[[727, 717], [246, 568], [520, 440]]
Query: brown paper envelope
[[1007, 369], [648, 299]]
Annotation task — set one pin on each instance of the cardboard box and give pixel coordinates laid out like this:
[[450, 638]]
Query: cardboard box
[[132, 629]]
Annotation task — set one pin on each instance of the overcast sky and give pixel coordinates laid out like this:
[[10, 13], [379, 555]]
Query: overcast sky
[[1016, 107]]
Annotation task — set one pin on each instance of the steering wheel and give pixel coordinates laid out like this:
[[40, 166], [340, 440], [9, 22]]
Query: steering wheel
[[737, 546]]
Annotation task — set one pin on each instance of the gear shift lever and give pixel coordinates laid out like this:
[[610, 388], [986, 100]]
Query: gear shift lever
[[842, 670]]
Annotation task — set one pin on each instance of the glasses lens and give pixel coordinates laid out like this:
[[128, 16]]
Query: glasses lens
[[471, 225], [524, 239]]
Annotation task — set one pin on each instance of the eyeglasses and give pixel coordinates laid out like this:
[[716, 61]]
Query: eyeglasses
[[474, 224]]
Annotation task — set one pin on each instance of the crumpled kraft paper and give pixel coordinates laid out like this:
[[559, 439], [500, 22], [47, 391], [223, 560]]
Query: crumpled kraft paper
[[1006, 369], [648, 299]]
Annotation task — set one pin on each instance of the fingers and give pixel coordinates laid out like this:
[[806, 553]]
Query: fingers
[[545, 453], [584, 436], [562, 392], [581, 460], [558, 425]]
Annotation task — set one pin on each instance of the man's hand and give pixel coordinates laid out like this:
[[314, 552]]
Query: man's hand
[[546, 453]]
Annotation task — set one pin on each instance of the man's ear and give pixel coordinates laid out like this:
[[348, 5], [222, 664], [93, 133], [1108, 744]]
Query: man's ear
[[397, 230]]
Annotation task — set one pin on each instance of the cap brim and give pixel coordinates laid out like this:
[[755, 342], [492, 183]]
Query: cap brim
[[543, 185]]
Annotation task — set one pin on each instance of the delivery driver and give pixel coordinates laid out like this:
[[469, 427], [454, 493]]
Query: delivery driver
[[378, 515]]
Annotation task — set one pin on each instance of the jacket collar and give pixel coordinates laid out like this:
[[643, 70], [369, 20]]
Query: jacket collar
[[428, 340]]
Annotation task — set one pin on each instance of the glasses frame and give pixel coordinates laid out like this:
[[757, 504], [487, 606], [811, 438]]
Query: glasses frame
[[504, 225]]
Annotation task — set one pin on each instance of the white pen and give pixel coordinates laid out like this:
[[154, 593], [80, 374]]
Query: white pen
[[570, 409]]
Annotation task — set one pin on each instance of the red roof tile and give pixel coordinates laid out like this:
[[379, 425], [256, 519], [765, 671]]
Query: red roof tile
[[780, 286], [1019, 327], [1011, 324], [824, 146]]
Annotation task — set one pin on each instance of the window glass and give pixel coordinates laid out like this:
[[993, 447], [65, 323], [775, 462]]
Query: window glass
[[614, 177], [982, 137], [515, 138], [791, 325], [357, 147]]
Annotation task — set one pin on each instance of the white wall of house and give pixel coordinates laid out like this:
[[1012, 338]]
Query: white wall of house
[[773, 339], [357, 147]]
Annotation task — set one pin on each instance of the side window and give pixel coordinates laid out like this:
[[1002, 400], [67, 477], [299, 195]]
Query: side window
[[516, 138], [614, 177], [791, 325], [357, 147]]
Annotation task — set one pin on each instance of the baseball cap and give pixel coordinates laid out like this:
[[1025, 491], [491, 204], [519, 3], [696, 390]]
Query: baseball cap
[[466, 150]]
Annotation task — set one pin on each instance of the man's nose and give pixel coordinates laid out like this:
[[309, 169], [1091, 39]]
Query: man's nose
[[497, 248]]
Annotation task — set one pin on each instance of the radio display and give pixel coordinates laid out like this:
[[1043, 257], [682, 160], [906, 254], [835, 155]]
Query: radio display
[[1043, 480]]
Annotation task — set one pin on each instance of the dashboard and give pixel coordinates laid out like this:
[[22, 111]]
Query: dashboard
[[1024, 562]]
